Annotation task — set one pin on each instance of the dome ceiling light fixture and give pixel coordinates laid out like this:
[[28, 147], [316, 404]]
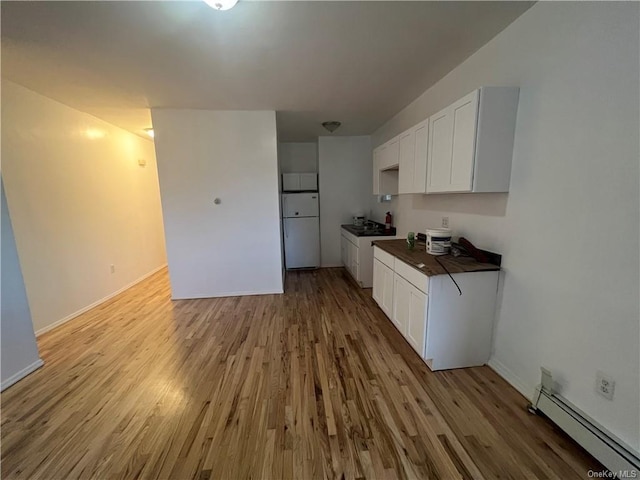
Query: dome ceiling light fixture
[[331, 126], [221, 4], [149, 131]]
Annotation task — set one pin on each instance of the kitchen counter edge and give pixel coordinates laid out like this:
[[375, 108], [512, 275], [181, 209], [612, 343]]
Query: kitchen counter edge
[[398, 248]]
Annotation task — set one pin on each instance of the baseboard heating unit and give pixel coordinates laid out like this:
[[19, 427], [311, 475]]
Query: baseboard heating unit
[[619, 458]]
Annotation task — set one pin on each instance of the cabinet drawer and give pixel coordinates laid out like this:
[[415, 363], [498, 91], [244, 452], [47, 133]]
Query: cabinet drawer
[[384, 257], [411, 275], [350, 237]]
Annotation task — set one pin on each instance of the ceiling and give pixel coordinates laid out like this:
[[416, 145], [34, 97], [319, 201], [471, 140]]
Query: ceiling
[[356, 62]]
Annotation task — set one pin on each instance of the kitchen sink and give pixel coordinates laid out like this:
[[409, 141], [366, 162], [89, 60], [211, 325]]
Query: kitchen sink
[[367, 230]]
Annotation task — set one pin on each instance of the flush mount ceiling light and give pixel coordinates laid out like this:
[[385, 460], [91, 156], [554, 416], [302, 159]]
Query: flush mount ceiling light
[[221, 4], [331, 126], [149, 131]]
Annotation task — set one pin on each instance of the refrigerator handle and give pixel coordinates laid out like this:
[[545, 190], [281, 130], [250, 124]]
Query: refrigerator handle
[[284, 205], [286, 233]]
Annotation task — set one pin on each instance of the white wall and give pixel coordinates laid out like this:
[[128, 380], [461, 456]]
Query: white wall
[[298, 157], [79, 202], [19, 352], [569, 227], [233, 248], [345, 172], [378, 209]]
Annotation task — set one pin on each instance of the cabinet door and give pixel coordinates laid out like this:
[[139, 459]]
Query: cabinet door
[[406, 162], [353, 259], [343, 250], [308, 181], [439, 157], [416, 326], [377, 153], [391, 156], [378, 281], [387, 291], [402, 301], [421, 142], [290, 182], [465, 118], [355, 271]]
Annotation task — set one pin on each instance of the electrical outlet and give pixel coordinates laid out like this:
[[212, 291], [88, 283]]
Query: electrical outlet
[[445, 222], [605, 385], [113, 268]]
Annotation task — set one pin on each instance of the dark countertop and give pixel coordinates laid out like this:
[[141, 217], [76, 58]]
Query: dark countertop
[[377, 232], [398, 248]]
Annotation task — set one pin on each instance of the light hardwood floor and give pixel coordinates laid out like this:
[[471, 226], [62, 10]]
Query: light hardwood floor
[[315, 383]]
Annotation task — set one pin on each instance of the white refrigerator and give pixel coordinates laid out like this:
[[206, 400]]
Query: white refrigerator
[[301, 230]]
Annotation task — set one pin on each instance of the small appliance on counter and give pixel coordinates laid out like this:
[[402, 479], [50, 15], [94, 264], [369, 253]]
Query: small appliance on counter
[[359, 220], [438, 241]]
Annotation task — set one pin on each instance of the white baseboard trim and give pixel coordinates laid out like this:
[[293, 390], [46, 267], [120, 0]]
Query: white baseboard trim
[[21, 374], [612, 452], [228, 294], [511, 378], [64, 320]]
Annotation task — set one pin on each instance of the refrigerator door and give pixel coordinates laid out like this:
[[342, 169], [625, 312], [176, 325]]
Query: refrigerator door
[[300, 205], [302, 242]]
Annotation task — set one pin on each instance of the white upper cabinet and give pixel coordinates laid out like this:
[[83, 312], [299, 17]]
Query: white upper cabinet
[[451, 141], [377, 152], [421, 141], [412, 175], [439, 157], [470, 142], [308, 181], [391, 154], [299, 182], [466, 147], [406, 161], [290, 182], [465, 114], [385, 168]]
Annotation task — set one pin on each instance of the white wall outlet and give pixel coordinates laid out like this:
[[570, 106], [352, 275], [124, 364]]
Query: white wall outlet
[[605, 385], [112, 268], [445, 222]]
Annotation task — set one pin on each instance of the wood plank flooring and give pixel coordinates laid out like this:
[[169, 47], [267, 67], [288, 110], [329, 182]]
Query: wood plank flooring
[[315, 383]]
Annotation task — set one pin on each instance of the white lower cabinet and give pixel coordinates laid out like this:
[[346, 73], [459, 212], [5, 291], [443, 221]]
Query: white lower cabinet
[[376, 291], [387, 290], [344, 246], [357, 257], [402, 296], [383, 286], [354, 260], [447, 330], [410, 313]]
